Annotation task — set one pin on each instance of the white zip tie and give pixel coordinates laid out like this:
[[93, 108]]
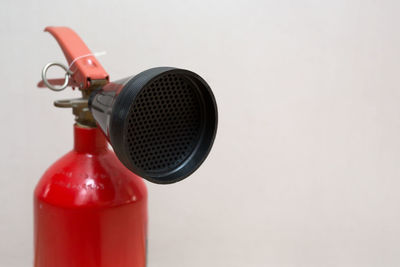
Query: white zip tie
[[68, 71], [97, 54]]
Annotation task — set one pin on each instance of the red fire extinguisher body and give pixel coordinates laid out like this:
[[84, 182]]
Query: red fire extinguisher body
[[89, 209]]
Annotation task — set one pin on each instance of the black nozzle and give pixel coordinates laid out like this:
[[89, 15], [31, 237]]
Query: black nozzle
[[161, 122]]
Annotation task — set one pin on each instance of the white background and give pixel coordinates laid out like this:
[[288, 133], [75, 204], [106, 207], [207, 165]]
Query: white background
[[305, 168]]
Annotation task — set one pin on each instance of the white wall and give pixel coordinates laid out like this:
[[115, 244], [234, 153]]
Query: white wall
[[305, 169]]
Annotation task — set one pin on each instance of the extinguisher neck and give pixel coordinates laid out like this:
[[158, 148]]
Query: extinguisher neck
[[89, 140]]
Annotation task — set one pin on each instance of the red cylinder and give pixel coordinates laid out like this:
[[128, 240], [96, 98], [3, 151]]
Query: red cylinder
[[89, 209]]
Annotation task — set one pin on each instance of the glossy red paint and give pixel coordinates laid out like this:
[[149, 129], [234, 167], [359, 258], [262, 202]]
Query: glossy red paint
[[89, 210]]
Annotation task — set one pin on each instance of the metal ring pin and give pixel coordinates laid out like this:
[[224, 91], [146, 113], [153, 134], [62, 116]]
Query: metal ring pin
[[49, 85]]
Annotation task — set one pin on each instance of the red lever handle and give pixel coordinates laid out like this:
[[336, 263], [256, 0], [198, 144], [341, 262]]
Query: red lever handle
[[84, 66]]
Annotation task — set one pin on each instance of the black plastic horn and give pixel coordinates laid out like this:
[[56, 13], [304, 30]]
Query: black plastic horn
[[161, 123]]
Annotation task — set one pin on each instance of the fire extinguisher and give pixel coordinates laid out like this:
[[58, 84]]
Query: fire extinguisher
[[90, 206]]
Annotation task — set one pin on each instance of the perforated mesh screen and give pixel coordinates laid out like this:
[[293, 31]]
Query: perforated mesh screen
[[165, 124]]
